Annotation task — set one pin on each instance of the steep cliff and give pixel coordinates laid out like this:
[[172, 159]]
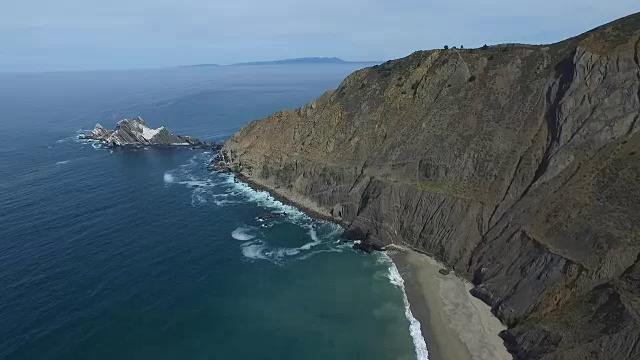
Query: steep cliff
[[516, 165]]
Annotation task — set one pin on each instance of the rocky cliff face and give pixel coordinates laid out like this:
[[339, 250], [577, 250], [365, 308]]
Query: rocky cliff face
[[518, 166], [136, 132]]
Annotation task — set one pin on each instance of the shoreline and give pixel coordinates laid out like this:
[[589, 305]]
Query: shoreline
[[308, 208], [454, 324]]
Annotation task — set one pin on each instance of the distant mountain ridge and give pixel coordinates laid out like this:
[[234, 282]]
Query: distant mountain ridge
[[294, 61], [202, 65], [304, 60]]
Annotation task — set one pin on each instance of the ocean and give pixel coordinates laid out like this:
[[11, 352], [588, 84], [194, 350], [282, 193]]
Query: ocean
[[144, 254]]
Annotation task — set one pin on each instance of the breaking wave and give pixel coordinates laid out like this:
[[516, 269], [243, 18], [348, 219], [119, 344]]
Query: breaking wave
[[225, 189], [315, 240], [254, 250], [414, 325], [222, 190], [262, 250], [242, 234], [321, 236], [73, 138]]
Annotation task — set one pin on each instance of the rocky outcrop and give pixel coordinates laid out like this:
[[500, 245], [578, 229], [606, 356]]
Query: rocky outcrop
[[367, 246], [518, 166], [135, 132]]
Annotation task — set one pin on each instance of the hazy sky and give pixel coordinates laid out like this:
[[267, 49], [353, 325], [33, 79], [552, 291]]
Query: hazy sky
[[114, 34]]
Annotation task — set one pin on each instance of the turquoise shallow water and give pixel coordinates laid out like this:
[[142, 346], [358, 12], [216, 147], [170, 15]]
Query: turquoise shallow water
[[143, 254]]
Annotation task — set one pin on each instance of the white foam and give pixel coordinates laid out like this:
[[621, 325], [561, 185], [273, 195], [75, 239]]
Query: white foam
[[264, 199], [242, 234], [314, 236], [62, 162], [314, 253], [254, 250], [197, 198], [282, 252], [414, 325], [261, 250], [205, 186], [223, 202], [224, 189], [71, 138]]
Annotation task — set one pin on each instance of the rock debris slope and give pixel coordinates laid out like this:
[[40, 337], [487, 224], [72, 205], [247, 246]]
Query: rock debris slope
[[516, 165]]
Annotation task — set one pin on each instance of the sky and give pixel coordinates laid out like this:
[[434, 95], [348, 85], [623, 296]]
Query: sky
[[46, 35]]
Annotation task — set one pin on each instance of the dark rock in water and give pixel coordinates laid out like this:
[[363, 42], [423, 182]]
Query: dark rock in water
[[270, 216], [100, 132], [367, 246], [444, 271], [219, 163], [363, 246], [136, 133], [354, 234]]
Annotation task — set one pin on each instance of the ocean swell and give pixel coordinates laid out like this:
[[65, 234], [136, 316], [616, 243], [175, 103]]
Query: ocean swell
[[224, 189], [242, 234]]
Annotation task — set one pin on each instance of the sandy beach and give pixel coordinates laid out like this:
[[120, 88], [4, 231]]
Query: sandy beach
[[456, 326]]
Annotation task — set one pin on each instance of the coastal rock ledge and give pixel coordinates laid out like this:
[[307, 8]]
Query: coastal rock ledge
[[136, 133], [516, 165]]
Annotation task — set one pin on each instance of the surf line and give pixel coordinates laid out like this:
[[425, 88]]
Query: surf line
[[415, 331], [259, 250]]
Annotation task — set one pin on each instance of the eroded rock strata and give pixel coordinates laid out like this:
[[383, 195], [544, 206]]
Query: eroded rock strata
[[516, 165]]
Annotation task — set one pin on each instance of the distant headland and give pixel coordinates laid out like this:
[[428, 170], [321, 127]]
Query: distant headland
[[295, 61]]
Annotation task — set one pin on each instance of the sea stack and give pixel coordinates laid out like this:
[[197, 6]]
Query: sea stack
[[136, 133], [518, 166]]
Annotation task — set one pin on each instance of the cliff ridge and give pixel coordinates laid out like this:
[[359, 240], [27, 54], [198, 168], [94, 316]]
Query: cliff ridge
[[516, 165]]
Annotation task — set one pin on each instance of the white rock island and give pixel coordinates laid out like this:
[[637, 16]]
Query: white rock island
[[136, 133]]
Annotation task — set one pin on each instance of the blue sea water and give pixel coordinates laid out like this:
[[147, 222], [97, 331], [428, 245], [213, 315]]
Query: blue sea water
[[144, 254]]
